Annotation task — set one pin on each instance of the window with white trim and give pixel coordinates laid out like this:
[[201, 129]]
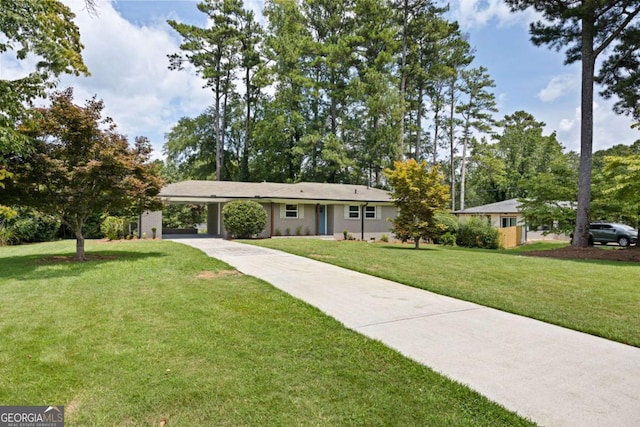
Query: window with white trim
[[352, 212], [508, 221], [291, 211], [370, 212]]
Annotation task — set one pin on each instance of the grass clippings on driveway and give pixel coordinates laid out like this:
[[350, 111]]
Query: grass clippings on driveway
[[158, 331], [597, 297]]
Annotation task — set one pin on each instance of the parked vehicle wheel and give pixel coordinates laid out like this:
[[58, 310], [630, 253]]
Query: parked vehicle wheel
[[623, 241]]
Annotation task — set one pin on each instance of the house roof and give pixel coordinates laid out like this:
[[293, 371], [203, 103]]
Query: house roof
[[210, 191], [505, 207]]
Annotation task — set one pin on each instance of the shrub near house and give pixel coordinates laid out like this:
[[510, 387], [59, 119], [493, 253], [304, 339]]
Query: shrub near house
[[244, 219], [476, 233]]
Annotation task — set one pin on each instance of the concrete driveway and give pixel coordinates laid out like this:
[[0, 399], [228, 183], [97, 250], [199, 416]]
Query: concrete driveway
[[552, 375]]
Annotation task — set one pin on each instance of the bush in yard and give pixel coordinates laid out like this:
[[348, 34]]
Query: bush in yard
[[112, 227], [446, 229], [29, 226], [477, 233], [244, 219], [447, 239]]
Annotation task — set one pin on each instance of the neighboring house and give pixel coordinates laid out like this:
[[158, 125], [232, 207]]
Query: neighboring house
[[505, 216], [499, 214], [292, 209]]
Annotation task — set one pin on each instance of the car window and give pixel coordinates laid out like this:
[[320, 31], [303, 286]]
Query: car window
[[594, 227]]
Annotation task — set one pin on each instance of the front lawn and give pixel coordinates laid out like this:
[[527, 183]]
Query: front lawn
[[597, 297], [151, 331]]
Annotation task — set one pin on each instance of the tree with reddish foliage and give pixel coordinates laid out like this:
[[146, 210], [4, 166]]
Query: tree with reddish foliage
[[80, 166]]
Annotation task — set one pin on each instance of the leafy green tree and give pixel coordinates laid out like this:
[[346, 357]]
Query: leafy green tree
[[525, 163], [419, 193], [190, 147], [613, 175], [44, 28], [623, 177], [551, 196], [487, 175], [526, 152], [183, 216], [79, 169], [586, 29]]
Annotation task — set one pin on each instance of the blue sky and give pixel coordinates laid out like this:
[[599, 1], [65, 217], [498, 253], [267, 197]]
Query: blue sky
[[127, 42]]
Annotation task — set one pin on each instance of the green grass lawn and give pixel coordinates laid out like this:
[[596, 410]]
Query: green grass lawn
[[157, 330], [597, 297]]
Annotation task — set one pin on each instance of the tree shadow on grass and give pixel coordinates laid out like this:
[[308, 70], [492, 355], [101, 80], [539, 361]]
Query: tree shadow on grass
[[407, 246], [56, 265]]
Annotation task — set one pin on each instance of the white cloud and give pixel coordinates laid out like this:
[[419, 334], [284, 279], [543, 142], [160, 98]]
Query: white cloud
[[558, 86], [129, 71], [609, 128], [566, 125], [478, 13]]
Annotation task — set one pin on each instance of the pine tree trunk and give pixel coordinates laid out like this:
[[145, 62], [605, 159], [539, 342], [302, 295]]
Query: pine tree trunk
[[419, 125], [436, 128], [244, 165], [218, 137], [581, 232], [403, 79], [451, 146], [463, 172]]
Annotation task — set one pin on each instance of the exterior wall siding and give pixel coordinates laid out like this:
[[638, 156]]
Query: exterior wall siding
[[149, 220], [305, 224], [495, 220], [373, 228], [336, 222]]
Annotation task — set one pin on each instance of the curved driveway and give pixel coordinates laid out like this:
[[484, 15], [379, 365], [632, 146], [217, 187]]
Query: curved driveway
[[552, 375]]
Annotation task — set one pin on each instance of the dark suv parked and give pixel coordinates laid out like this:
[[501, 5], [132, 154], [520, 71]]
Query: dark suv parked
[[606, 232]]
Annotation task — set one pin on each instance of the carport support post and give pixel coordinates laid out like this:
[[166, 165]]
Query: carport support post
[[362, 221], [271, 222]]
